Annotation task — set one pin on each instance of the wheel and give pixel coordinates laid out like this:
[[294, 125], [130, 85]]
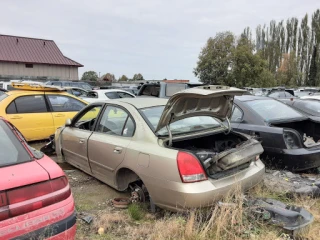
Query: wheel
[[139, 194]]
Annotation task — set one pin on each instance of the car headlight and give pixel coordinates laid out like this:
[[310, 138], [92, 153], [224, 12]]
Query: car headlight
[[291, 139]]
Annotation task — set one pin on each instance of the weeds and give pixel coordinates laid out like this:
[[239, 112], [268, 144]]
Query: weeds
[[221, 221], [136, 211]]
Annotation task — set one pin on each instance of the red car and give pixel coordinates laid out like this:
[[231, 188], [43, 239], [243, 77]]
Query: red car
[[35, 196]]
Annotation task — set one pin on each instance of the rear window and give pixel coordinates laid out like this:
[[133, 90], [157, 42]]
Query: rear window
[[11, 150], [150, 90], [192, 124], [272, 110]]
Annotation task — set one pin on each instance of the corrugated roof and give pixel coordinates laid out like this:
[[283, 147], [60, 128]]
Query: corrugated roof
[[32, 50]]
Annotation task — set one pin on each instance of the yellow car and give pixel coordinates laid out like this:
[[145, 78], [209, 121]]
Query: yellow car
[[37, 110]]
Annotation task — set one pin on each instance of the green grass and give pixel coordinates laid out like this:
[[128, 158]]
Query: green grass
[[136, 211]]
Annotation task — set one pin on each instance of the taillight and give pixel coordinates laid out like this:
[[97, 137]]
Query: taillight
[[190, 168], [32, 197], [291, 139]]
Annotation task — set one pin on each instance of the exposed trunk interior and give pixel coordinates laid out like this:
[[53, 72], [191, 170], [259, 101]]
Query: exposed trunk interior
[[308, 130], [220, 154]]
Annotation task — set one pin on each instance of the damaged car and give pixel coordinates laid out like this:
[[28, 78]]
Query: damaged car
[[290, 139], [175, 152]]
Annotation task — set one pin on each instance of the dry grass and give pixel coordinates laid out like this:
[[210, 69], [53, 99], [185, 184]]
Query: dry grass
[[228, 221]]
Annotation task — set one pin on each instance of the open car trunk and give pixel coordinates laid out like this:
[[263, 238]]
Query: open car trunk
[[309, 131], [222, 155]]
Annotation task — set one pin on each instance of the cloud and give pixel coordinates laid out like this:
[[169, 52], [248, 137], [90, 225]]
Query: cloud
[[158, 38]]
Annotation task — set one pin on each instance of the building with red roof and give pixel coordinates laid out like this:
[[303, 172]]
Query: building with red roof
[[34, 59]]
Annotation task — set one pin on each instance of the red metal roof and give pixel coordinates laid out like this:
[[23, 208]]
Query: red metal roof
[[32, 50]]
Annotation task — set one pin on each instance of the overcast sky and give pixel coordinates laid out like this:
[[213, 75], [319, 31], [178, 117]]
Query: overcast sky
[[158, 38]]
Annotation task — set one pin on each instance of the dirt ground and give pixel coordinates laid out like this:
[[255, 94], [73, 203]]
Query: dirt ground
[[93, 203]]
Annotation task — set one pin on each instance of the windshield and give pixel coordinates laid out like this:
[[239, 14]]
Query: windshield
[[191, 124], [271, 110], [11, 150]]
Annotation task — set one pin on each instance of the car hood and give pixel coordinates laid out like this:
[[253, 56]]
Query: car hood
[[214, 101]]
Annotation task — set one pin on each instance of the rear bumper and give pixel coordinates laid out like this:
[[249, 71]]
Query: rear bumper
[[48, 222], [177, 196], [64, 229], [292, 159]]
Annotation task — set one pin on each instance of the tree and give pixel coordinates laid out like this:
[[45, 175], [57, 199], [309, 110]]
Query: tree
[[89, 76], [109, 77], [123, 78], [313, 69], [288, 73], [215, 59], [247, 67], [137, 76]]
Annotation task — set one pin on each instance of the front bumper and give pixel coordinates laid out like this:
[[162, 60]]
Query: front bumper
[[177, 196], [292, 159]]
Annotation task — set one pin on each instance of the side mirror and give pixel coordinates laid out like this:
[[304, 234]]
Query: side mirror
[[68, 122]]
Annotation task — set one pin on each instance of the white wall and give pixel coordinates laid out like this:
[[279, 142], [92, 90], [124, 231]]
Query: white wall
[[39, 70]]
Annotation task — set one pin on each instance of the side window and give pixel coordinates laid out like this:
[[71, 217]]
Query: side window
[[115, 121], [62, 103], [91, 114], [11, 109], [237, 114], [112, 95], [31, 104], [87, 119], [124, 95], [150, 90]]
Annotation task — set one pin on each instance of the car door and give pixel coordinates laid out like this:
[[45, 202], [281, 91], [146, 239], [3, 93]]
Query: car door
[[74, 138], [107, 145], [63, 107], [31, 116]]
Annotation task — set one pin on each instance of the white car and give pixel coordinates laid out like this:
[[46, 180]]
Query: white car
[[315, 97], [106, 94]]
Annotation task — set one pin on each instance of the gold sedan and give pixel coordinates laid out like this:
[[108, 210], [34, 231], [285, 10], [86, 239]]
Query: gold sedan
[[177, 152]]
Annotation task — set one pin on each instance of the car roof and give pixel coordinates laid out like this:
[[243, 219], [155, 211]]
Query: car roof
[[18, 92], [245, 98], [143, 102]]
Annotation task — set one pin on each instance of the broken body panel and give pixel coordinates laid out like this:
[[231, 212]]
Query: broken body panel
[[289, 143]]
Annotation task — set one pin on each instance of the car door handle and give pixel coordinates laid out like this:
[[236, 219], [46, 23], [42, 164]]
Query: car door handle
[[81, 140], [16, 117], [117, 150], [59, 115]]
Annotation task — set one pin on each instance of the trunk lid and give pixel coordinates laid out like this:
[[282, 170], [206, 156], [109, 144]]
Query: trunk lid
[[19, 175], [214, 101]]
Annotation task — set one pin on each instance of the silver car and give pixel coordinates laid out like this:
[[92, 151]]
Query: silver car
[[177, 152]]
